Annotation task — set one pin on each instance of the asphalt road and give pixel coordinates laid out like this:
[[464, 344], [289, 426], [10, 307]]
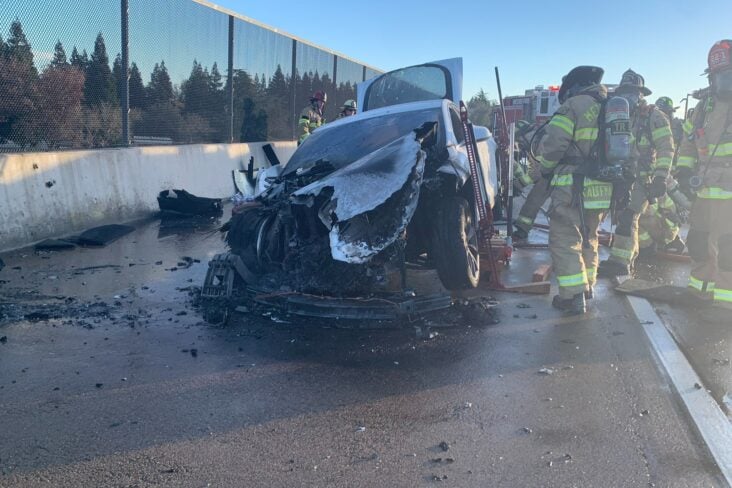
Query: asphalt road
[[110, 377]]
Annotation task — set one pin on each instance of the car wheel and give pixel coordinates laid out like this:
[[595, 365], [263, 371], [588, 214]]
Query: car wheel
[[455, 245]]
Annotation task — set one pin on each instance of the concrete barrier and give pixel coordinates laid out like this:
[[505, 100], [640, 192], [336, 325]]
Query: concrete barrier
[[49, 194]]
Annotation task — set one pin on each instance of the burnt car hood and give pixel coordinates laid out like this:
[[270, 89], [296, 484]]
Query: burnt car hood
[[368, 204]]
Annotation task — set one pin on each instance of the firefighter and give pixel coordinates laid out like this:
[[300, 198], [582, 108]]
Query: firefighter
[[578, 203], [524, 178], [659, 228], [666, 105], [348, 108], [653, 151], [705, 165], [311, 116]]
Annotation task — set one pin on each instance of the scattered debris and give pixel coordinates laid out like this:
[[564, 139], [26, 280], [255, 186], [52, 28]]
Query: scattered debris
[[182, 203], [103, 235], [444, 446], [644, 413], [50, 183], [526, 430], [3, 340], [360, 429], [523, 305], [721, 362], [546, 371], [54, 245], [99, 385], [194, 353]]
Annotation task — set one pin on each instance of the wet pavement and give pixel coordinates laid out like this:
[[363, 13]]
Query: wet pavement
[[109, 376]]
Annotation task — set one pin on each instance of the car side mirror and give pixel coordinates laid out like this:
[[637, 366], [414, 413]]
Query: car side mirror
[[481, 133]]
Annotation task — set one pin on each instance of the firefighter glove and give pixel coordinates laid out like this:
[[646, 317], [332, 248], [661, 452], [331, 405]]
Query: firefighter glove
[[657, 188]]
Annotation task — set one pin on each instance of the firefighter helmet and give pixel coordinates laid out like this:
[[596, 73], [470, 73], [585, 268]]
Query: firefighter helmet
[[578, 78], [631, 81], [666, 105], [720, 56], [320, 96], [349, 104]]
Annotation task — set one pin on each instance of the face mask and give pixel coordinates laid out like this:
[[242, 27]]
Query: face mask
[[633, 99], [722, 85]]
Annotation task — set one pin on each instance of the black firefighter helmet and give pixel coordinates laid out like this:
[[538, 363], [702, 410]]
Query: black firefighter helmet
[[578, 78]]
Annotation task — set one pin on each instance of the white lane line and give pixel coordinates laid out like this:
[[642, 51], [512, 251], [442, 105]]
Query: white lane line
[[713, 424]]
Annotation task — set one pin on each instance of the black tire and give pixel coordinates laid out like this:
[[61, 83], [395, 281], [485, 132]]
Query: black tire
[[455, 245]]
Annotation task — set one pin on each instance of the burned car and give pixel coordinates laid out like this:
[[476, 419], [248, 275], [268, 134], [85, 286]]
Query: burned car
[[366, 196]]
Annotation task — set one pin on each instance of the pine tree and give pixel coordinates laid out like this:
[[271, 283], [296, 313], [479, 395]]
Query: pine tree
[[195, 90], [19, 48], [160, 88], [59, 56], [278, 106], [3, 47], [216, 83], [79, 61], [118, 74], [100, 84], [137, 89]]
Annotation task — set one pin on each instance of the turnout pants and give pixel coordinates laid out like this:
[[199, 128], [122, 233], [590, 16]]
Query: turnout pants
[[710, 246], [625, 241], [575, 265], [538, 194]]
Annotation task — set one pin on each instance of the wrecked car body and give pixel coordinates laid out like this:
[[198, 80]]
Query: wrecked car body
[[366, 195]]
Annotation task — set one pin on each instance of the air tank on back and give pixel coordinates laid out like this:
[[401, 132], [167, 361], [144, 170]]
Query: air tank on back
[[617, 131]]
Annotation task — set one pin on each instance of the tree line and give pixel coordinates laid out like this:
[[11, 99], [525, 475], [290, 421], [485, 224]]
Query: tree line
[[75, 100]]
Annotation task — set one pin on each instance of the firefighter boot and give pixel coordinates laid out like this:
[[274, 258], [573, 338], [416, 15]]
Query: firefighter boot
[[520, 235], [676, 246], [611, 269], [572, 306]]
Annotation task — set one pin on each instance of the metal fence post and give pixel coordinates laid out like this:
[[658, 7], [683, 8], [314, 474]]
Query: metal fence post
[[231, 79], [293, 92], [125, 98]]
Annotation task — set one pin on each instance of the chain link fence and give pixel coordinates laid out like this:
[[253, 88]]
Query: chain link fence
[[196, 74]]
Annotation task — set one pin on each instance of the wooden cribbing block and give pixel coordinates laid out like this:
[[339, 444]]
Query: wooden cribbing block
[[541, 273]]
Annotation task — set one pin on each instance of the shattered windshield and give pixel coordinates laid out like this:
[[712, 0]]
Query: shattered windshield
[[414, 84], [344, 144]]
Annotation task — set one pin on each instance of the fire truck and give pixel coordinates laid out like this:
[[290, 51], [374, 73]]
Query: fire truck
[[535, 105]]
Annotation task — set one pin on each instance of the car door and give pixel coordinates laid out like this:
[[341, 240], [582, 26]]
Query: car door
[[428, 81]]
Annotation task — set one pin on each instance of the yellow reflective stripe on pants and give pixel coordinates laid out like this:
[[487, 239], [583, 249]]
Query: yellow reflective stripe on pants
[[591, 274], [572, 280], [663, 162], [644, 236], [714, 193], [722, 295], [686, 162], [525, 220], [624, 254], [721, 149], [698, 284], [563, 122]]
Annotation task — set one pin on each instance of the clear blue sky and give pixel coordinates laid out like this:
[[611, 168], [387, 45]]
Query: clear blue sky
[[531, 42]]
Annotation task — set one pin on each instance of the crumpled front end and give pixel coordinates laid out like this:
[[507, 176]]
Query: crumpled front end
[[338, 232], [367, 205]]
